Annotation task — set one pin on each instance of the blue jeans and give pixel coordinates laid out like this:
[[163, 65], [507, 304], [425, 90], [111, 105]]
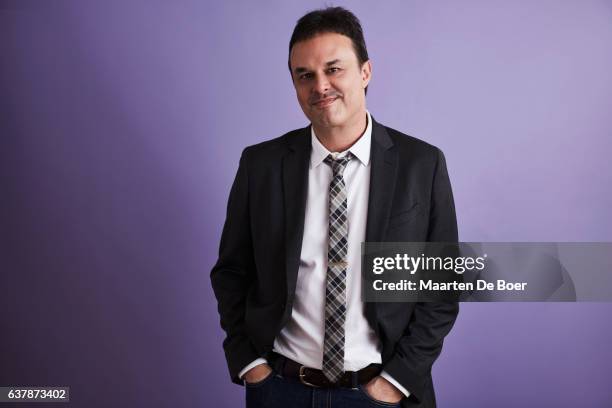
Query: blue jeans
[[276, 391]]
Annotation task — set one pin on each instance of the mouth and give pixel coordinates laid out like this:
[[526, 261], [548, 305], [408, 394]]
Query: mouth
[[323, 103]]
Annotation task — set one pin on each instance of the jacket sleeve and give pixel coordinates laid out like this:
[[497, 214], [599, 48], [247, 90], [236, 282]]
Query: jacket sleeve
[[233, 274], [421, 343]]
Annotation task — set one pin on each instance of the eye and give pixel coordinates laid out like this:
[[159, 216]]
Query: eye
[[307, 75], [333, 70]]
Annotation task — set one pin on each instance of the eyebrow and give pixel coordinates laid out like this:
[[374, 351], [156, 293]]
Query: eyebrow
[[299, 70]]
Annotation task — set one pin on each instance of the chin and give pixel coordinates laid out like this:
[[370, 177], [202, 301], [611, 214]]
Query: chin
[[329, 119]]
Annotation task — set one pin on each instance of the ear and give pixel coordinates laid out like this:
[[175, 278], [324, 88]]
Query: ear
[[366, 73]]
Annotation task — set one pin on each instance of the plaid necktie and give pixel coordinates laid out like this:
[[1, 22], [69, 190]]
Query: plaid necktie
[[335, 293]]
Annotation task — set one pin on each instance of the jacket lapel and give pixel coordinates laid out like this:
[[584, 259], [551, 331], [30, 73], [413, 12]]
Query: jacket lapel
[[382, 185], [295, 188]]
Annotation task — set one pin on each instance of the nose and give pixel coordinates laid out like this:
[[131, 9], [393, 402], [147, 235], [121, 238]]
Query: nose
[[321, 85]]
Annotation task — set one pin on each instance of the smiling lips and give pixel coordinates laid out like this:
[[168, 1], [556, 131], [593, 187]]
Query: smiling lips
[[323, 103]]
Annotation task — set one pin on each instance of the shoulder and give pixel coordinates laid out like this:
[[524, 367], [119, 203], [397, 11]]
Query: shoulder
[[275, 148], [410, 146]]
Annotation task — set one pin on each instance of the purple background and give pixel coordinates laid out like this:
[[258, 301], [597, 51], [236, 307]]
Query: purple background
[[121, 128]]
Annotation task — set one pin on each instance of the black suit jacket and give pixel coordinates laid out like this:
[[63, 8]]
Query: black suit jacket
[[255, 276]]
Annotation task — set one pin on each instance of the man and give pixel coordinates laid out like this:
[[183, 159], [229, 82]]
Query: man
[[288, 277]]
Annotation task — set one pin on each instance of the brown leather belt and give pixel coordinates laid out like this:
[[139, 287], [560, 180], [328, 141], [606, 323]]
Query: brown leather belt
[[315, 378]]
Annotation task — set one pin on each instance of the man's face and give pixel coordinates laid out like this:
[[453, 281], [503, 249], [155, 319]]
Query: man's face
[[328, 80]]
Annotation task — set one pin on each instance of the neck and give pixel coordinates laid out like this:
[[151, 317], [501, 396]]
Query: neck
[[341, 138]]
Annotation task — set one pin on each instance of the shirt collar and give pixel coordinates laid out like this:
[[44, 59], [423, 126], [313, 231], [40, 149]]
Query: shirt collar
[[361, 148]]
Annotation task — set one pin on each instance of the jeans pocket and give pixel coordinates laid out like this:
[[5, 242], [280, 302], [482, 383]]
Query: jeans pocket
[[261, 383], [376, 402]]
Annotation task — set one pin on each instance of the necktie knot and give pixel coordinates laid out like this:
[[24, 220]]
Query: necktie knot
[[338, 165]]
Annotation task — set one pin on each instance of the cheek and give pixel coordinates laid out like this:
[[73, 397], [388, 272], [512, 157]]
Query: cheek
[[348, 94], [347, 87], [302, 96]]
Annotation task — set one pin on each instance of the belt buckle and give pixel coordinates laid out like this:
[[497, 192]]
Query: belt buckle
[[303, 376]]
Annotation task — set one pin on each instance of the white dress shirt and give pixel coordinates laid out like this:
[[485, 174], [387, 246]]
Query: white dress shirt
[[301, 339]]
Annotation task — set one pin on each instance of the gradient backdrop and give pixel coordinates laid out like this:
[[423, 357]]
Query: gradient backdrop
[[121, 125]]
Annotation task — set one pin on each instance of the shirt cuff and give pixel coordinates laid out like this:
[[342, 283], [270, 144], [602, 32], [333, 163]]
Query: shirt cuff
[[397, 385], [253, 364]]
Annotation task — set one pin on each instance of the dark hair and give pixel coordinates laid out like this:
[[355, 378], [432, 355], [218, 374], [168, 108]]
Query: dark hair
[[330, 20]]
